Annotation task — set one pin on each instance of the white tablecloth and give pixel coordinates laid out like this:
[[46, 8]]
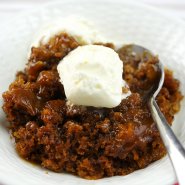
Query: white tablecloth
[[11, 8]]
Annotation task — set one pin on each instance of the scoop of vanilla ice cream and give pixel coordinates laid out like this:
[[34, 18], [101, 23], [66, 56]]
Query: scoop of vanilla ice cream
[[77, 27], [92, 76]]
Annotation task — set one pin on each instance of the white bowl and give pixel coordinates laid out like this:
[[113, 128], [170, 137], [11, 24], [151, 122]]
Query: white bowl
[[123, 22]]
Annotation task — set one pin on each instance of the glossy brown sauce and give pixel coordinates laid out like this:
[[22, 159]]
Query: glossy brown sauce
[[89, 142]]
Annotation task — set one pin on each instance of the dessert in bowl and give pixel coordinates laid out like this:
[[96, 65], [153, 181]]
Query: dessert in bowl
[[80, 107]]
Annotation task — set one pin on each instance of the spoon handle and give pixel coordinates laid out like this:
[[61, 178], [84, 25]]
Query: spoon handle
[[174, 148]]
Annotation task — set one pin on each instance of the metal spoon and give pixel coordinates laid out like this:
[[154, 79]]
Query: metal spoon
[[174, 148]]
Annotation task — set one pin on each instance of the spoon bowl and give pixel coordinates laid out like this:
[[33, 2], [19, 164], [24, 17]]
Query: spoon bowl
[[174, 148]]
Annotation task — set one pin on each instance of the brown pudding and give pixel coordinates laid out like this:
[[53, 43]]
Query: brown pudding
[[89, 142]]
